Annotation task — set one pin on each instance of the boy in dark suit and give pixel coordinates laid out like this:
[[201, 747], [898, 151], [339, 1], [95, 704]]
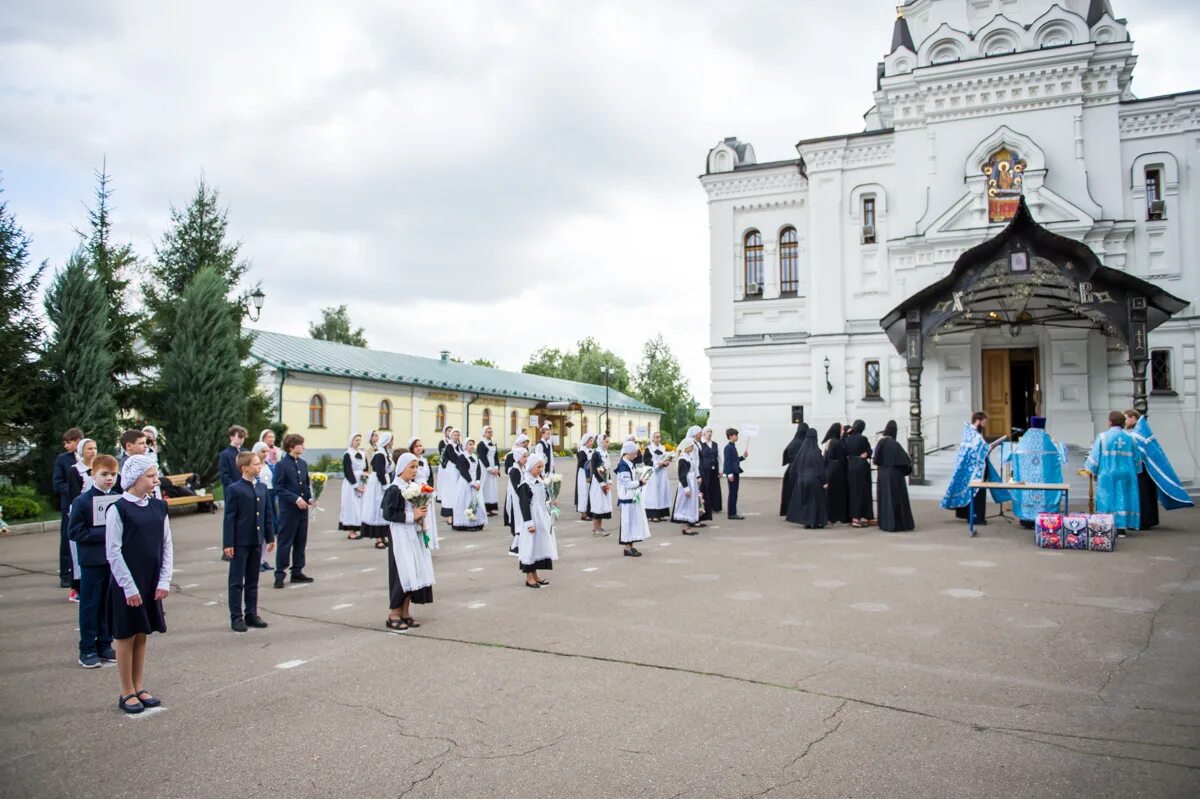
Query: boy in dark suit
[[63, 466], [732, 468], [295, 500], [86, 529], [227, 470], [247, 517]]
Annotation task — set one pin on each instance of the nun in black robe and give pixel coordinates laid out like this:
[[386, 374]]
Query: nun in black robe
[[789, 474], [858, 475], [710, 476], [895, 514], [808, 497], [836, 496]]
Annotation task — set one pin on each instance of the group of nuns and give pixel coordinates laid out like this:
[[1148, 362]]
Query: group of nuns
[[830, 482]]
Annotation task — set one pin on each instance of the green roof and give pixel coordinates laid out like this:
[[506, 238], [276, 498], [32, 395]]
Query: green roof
[[313, 356]]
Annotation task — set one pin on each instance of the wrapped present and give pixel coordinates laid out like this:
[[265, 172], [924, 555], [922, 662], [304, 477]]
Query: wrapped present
[[1075, 531], [1048, 530], [1102, 534]]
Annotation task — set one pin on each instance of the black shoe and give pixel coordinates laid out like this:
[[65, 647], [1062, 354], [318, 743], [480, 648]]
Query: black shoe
[[738, 517], [279, 582], [108, 655], [238, 626], [255, 622], [264, 567], [64, 582], [301, 577], [632, 553], [533, 585], [225, 557]]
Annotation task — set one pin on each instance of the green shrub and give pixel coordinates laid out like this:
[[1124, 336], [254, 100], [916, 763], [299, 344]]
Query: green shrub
[[326, 463], [28, 492], [20, 508]]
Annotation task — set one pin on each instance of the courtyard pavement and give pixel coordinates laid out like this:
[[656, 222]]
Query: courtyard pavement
[[757, 659]]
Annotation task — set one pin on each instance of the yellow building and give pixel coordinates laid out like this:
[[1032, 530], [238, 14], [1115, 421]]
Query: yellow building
[[328, 392]]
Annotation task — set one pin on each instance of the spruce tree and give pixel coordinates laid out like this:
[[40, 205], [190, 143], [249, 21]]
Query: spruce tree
[[197, 241], [78, 357], [21, 398], [113, 265], [201, 375]]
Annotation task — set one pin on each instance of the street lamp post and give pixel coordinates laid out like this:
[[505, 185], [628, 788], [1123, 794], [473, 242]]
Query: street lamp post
[[256, 299]]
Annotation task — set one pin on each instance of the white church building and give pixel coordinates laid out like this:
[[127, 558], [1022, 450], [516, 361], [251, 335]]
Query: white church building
[[1013, 231]]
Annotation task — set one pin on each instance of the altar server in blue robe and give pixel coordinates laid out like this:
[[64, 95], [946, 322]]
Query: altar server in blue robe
[[972, 465], [1037, 459], [1158, 483], [1116, 461]]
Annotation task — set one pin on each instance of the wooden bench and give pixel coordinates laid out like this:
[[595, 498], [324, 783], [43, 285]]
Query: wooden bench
[[205, 501]]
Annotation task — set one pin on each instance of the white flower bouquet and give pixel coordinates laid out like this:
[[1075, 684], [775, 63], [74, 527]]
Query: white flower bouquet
[[553, 482], [418, 495]]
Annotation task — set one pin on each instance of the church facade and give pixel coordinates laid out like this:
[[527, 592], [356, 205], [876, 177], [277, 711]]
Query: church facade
[[991, 118]]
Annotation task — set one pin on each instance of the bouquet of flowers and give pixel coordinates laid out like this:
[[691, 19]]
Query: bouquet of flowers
[[473, 506], [553, 483], [642, 475], [318, 481], [419, 495]]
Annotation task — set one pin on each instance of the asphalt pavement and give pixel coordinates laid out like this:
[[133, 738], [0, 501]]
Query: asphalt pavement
[[756, 659]]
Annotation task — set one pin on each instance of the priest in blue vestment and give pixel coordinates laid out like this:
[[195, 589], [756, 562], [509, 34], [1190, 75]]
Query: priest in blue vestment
[[1116, 461], [972, 465], [1036, 458], [1158, 483]]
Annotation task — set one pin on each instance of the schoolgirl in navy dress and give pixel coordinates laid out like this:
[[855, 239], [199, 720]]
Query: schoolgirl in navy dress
[[137, 543]]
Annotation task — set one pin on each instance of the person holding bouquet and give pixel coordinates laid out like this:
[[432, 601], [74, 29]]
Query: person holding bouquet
[[600, 489], [373, 523], [631, 480], [687, 497], [354, 472], [425, 478], [656, 497], [583, 459], [410, 564], [486, 452], [537, 548], [468, 509]]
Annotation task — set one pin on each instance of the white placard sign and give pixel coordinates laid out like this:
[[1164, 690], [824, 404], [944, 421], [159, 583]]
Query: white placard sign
[[750, 431], [533, 421], [100, 505]]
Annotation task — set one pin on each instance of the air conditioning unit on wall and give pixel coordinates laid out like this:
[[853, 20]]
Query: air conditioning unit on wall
[[753, 288], [868, 234], [1157, 209]]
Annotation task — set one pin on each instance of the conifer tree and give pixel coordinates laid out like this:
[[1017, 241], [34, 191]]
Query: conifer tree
[[201, 375], [20, 333], [78, 357]]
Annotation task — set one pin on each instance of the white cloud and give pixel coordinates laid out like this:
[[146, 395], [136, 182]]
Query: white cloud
[[480, 163]]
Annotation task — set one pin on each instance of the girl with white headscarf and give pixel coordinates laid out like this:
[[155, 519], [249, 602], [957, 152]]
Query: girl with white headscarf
[[583, 459], [630, 491], [687, 497], [656, 496], [450, 477], [470, 481], [354, 466], [373, 523], [79, 480], [599, 491], [537, 548], [425, 477], [519, 457], [486, 452], [410, 564], [521, 443]]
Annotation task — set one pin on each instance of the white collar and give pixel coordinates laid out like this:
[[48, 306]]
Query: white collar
[[141, 503]]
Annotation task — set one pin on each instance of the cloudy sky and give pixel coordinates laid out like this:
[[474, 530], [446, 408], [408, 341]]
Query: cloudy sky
[[487, 166]]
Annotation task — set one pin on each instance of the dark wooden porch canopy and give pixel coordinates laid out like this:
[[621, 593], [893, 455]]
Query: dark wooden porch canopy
[[1027, 275]]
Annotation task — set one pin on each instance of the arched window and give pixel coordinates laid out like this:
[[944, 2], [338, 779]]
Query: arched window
[[649, 429], [316, 411], [789, 261], [583, 426], [630, 427], [385, 415], [512, 423], [487, 416], [754, 263], [440, 423]]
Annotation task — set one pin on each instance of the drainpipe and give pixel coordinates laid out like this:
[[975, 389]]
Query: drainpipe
[[282, 377], [467, 417]]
